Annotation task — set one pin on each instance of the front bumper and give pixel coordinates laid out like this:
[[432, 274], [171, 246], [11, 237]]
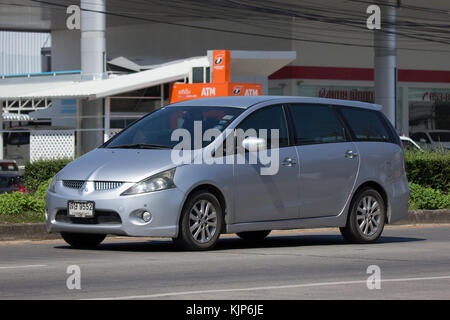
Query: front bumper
[[165, 207]]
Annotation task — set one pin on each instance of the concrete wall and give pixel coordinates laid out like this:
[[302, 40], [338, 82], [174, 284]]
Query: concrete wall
[[66, 50], [156, 43], [161, 43]]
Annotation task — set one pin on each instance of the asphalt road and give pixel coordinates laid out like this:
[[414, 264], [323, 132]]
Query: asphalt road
[[414, 263]]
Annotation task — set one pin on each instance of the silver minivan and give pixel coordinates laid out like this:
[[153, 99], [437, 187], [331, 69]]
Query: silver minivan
[[246, 165]]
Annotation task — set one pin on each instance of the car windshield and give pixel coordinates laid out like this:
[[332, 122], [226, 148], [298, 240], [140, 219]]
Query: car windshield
[[154, 131], [440, 136]]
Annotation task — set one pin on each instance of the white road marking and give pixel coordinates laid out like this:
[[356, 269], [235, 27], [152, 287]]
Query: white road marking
[[303, 285], [27, 266]]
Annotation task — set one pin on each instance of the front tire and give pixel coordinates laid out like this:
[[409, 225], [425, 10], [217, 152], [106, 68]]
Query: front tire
[[83, 240], [253, 235], [201, 222], [366, 218]]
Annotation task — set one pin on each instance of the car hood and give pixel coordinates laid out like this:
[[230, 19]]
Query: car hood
[[125, 165]]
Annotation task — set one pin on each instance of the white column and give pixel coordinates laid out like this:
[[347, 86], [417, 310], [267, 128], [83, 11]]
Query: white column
[[385, 60], [93, 43], [93, 66], [107, 118]]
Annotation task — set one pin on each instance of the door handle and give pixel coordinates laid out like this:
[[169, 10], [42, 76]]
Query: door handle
[[350, 154], [289, 162]]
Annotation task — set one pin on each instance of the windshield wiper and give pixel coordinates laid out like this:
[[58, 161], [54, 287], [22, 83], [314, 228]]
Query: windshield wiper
[[139, 146]]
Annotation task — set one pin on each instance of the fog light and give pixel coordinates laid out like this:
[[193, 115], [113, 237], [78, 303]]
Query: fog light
[[146, 216]]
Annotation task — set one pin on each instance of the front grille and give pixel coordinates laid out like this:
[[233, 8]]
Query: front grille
[[106, 185], [73, 184], [98, 185], [100, 217]]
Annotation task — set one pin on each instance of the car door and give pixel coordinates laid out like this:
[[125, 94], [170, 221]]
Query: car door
[[260, 197], [328, 160]]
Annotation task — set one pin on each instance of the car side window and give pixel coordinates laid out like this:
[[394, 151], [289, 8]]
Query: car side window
[[315, 124], [268, 118], [366, 125]]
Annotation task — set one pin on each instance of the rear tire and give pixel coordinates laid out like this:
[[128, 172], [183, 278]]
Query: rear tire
[[201, 222], [253, 235], [366, 217], [83, 240]]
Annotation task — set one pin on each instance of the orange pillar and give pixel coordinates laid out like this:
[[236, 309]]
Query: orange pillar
[[221, 66]]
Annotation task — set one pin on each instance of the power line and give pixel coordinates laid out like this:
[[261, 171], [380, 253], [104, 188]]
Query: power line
[[280, 37]]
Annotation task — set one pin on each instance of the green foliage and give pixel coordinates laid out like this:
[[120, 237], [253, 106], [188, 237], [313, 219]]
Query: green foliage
[[42, 190], [427, 198], [29, 207], [42, 170], [16, 203], [429, 169], [24, 207]]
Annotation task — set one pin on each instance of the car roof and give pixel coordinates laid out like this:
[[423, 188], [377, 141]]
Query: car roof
[[248, 101]]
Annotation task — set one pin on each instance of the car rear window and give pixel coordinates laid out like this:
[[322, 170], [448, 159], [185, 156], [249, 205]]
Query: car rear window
[[367, 125], [8, 166]]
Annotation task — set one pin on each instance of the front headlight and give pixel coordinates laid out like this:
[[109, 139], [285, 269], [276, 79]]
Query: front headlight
[[160, 181], [51, 186]]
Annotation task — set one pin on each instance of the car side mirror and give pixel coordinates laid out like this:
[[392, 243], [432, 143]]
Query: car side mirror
[[253, 144]]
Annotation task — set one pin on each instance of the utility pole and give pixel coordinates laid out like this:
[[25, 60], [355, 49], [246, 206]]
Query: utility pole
[[385, 59]]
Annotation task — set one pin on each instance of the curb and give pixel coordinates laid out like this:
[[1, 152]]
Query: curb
[[426, 217], [38, 231], [25, 231]]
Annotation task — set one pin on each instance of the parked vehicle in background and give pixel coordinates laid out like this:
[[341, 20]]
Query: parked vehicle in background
[[409, 144], [11, 182], [18, 140], [433, 139], [18, 145], [9, 166], [339, 164]]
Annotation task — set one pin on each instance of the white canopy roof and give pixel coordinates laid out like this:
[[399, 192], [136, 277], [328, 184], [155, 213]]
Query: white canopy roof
[[95, 89]]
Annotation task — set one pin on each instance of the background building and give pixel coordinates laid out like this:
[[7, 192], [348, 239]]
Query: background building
[[24, 52]]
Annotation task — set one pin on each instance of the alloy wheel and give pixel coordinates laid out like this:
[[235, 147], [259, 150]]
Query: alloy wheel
[[368, 215], [203, 221]]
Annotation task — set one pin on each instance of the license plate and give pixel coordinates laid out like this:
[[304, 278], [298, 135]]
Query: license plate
[[80, 209]]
